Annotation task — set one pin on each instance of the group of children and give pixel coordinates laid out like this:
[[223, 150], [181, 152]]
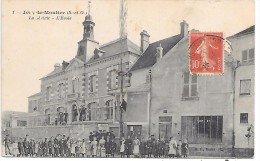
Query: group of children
[[97, 146], [152, 147]]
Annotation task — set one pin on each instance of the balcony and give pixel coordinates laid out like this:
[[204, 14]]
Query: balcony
[[72, 96], [97, 114]]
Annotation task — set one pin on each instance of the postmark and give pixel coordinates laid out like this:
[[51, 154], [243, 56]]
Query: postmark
[[206, 53]]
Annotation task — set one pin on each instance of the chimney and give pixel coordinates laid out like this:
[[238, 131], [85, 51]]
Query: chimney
[[184, 28], [144, 40], [56, 66], [159, 53]]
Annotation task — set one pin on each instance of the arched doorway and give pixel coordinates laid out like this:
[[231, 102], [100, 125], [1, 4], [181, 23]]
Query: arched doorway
[[74, 113], [109, 110], [48, 116], [60, 113], [82, 113], [93, 112]]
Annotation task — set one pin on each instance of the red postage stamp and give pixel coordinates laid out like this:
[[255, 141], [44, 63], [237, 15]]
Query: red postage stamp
[[206, 53]]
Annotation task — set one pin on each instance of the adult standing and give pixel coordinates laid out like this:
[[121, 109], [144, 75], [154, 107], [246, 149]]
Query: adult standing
[[7, 142], [129, 144], [36, 148], [83, 148], [112, 147], [32, 147], [94, 144], [108, 145], [90, 137], [15, 151], [51, 147], [143, 148], [20, 147], [45, 147], [26, 145], [172, 146], [136, 150], [56, 146], [149, 147], [122, 147], [161, 148]]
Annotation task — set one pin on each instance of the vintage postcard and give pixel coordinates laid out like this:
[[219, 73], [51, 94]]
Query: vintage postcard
[[128, 79]]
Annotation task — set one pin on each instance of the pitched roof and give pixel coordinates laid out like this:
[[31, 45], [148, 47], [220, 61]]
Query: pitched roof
[[244, 32], [36, 94], [148, 58], [116, 47]]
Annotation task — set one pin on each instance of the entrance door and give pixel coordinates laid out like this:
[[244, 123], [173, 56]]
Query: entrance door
[[134, 130], [165, 127]]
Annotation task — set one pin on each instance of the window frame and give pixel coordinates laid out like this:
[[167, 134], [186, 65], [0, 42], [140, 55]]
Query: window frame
[[112, 79], [244, 94], [48, 93], [248, 60], [199, 133], [189, 84], [241, 119], [92, 83]]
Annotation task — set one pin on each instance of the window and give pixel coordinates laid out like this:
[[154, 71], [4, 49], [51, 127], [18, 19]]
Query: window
[[92, 83], [109, 110], [243, 117], [75, 82], [60, 90], [21, 123], [165, 127], [248, 56], [245, 87], [48, 93], [112, 79], [190, 85], [202, 129]]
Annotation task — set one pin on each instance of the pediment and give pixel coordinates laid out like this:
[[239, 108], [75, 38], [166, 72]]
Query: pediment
[[74, 64]]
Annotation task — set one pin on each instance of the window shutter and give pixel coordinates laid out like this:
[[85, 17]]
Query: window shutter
[[251, 57], [244, 56]]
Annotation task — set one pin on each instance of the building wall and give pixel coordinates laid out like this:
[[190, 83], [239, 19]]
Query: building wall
[[76, 69], [214, 97], [244, 103], [34, 102]]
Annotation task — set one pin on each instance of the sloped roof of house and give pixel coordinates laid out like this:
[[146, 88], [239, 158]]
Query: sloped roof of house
[[244, 32], [148, 58], [34, 95], [115, 47]]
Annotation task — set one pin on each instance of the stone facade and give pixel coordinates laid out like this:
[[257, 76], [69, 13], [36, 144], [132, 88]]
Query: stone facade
[[86, 89]]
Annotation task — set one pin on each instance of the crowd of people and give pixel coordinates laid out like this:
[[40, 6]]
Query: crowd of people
[[99, 144]]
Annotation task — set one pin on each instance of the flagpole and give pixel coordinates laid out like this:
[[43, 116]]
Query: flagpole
[[121, 73], [121, 92]]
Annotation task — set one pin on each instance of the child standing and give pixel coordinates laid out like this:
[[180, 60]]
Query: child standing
[[73, 147], [122, 147], [98, 150], [15, 150], [178, 154], [88, 149], [185, 148], [103, 151]]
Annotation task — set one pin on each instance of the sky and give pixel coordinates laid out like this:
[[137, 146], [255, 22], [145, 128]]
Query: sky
[[30, 48]]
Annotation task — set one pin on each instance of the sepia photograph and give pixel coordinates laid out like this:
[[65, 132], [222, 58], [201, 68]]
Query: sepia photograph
[[165, 79]]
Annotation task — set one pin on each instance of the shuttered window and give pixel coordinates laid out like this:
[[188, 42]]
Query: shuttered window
[[248, 56], [190, 85]]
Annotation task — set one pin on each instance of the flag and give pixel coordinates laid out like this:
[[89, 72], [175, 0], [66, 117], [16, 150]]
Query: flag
[[122, 18], [123, 105]]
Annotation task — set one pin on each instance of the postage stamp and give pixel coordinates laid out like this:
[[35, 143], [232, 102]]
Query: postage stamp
[[206, 53]]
